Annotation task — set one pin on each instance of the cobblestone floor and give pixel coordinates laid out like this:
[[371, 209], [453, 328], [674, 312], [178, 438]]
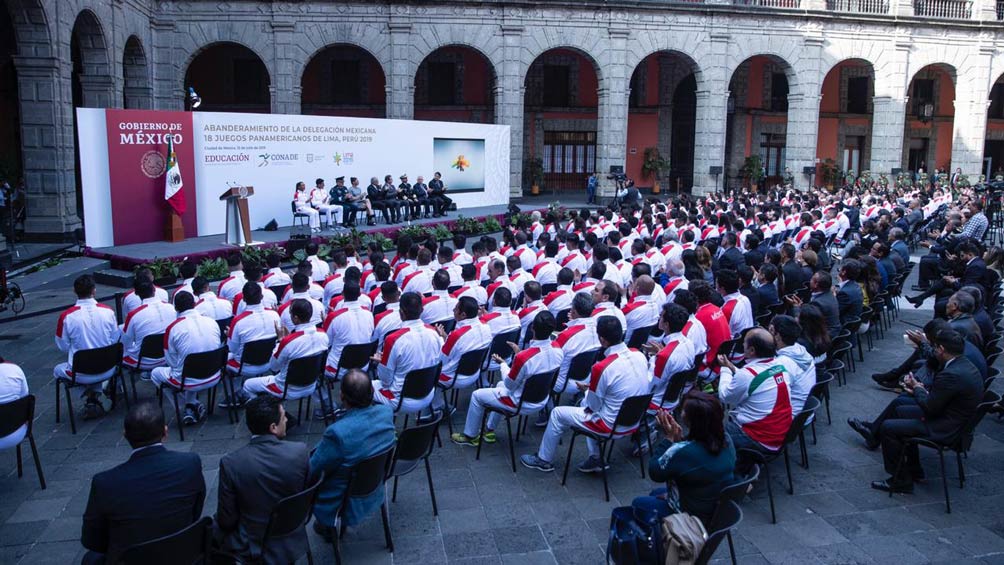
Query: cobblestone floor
[[487, 514]]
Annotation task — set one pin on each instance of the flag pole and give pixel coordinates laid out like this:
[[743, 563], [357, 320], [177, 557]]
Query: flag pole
[[174, 228]]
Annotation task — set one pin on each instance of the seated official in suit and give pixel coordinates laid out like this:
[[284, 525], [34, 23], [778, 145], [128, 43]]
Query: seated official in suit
[[362, 431], [823, 298], [923, 362], [253, 479], [155, 493], [974, 273], [850, 300], [938, 414]]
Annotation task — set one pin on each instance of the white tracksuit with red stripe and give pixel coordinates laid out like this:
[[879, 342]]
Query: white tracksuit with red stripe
[[386, 322], [560, 299], [546, 272], [623, 373], [500, 320], [319, 268], [268, 300], [131, 301], [186, 286], [801, 238], [738, 312], [608, 309], [348, 325], [760, 396], [579, 336], [214, 307], [540, 356], [528, 314], [85, 325], [413, 346], [501, 282], [13, 386], [474, 290], [317, 311], [315, 291], [438, 307], [519, 278], [333, 285], [275, 277], [575, 261], [190, 333], [675, 357], [470, 335], [337, 301], [253, 324], [151, 317], [695, 332], [527, 257], [420, 281], [304, 341], [230, 286], [642, 312], [675, 284]]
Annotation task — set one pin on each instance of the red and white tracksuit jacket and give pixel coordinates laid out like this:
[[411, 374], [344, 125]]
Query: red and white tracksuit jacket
[[213, 307], [474, 290], [413, 346], [275, 277], [319, 269], [462, 257], [674, 284], [253, 324], [438, 307], [675, 357], [230, 286], [151, 317], [419, 281], [186, 286], [608, 309], [738, 312], [268, 300], [586, 285], [695, 332], [304, 341], [519, 278], [333, 285], [500, 320], [190, 333], [559, 300], [469, 335], [130, 301], [623, 373], [758, 391], [801, 238], [85, 325], [315, 291], [386, 322], [579, 336], [337, 302], [546, 271], [575, 261], [501, 282], [316, 315], [528, 314], [527, 257], [642, 312], [349, 325]]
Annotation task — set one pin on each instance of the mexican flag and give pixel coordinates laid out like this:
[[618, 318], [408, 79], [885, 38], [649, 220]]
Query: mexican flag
[[173, 183]]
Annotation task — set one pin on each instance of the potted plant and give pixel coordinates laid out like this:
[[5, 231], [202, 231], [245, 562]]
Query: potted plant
[[534, 169], [828, 170], [653, 165], [752, 171], [213, 269], [442, 233], [165, 271], [492, 225]]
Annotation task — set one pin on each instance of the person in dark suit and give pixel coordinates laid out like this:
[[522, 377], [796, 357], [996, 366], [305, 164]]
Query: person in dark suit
[[767, 291], [974, 273], [793, 277], [959, 311], [850, 301], [747, 289], [821, 285], [753, 255], [938, 414], [731, 258], [980, 315], [253, 479], [155, 493]]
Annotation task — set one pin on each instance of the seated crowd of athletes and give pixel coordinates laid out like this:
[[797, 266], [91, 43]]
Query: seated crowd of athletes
[[731, 299]]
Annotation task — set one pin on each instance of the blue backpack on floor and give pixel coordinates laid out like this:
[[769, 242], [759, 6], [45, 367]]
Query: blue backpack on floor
[[633, 538]]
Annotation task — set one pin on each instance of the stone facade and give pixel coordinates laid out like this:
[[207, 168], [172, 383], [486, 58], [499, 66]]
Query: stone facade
[[136, 52]]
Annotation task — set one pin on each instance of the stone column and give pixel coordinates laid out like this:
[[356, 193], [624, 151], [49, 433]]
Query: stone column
[[168, 87], [47, 145], [612, 113], [711, 116], [801, 132], [889, 113], [284, 87], [400, 79], [985, 10], [972, 99], [509, 91]]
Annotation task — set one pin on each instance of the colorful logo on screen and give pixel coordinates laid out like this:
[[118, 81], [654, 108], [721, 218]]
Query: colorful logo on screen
[[276, 159], [461, 163], [344, 158]]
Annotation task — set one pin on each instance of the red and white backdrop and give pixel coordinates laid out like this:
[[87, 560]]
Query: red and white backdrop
[[123, 159]]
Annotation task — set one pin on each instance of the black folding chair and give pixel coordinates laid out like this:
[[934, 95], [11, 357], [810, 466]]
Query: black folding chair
[[414, 445], [224, 325], [734, 494], [353, 356], [255, 353], [961, 445], [500, 347], [151, 348], [95, 361], [725, 520], [289, 515], [821, 392], [548, 288], [185, 547], [365, 478], [535, 392], [418, 384], [795, 432], [561, 320], [470, 364], [674, 388], [640, 336], [13, 415], [279, 290], [197, 367], [578, 369], [301, 373], [630, 418]]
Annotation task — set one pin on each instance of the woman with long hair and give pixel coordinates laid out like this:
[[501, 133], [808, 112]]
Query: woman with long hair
[[869, 279], [815, 336], [699, 462], [994, 258], [692, 270], [704, 260]]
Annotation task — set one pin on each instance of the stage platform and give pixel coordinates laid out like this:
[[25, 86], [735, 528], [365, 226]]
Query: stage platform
[[127, 257]]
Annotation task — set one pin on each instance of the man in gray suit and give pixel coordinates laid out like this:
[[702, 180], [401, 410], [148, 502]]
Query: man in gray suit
[[254, 478], [849, 297], [822, 296]]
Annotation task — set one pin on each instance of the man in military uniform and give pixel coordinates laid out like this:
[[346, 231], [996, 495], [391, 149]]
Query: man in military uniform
[[406, 196], [340, 195], [437, 192], [380, 200]]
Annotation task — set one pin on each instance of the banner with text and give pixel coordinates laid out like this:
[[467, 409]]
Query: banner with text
[[271, 153]]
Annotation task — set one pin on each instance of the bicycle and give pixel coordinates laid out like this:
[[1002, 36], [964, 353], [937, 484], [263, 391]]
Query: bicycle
[[11, 296]]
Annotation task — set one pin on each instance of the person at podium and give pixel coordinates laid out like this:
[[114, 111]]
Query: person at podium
[[302, 200], [321, 201]]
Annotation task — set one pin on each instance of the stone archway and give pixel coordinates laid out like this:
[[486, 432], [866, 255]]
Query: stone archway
[[455, 83], [343, 80], [136, 91], [930, 118], [230, 77], [844, 138]]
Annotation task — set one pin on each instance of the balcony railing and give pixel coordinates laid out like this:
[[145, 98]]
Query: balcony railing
[[944, 9], [858, 6], [1000, 10], [791, 4]]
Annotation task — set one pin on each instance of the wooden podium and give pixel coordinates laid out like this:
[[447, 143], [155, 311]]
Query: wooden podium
[[238, 220]]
